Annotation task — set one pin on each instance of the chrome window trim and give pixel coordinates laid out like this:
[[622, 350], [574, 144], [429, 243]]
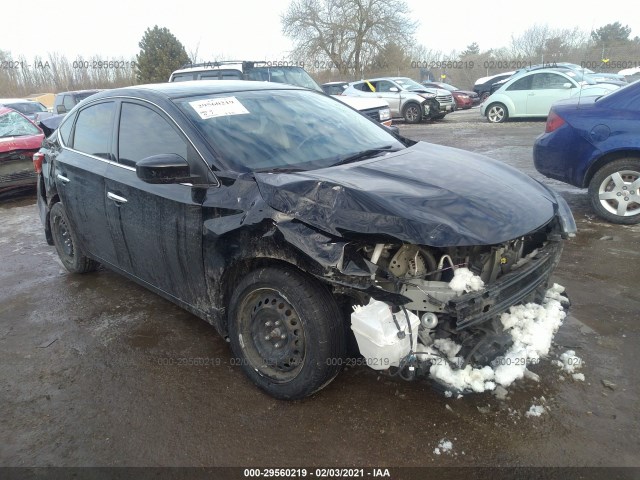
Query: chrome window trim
[[98, 100]]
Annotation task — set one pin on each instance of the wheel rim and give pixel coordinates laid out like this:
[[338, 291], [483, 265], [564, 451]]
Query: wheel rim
[[619, 193], [496, 114], [64, 237], [412, 114], [271, 335]]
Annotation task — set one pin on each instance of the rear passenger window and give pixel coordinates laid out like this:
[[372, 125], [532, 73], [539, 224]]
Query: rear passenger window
[[65, 130], [94, 129], [522, 84], [68, 102], [143, 133]]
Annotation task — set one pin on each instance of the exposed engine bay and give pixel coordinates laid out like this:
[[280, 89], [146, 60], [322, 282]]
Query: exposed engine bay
[[455, 293]]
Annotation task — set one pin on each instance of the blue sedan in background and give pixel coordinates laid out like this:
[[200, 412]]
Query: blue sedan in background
[[594, 143]]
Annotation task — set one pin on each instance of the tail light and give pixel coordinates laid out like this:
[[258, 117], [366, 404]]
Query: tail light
[[38, 158], [554, 122]]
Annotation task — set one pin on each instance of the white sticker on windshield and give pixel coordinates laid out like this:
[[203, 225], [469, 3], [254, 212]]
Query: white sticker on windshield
[[218, 107]]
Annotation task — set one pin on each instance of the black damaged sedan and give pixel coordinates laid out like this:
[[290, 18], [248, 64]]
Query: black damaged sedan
[[270, 211]]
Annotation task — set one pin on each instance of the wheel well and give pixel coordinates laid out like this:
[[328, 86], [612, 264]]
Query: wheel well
[[235, 273], [603, 160], [47, 226], [409, 103]]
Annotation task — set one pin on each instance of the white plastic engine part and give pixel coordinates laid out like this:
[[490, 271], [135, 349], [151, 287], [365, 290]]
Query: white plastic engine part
[[377, 334]]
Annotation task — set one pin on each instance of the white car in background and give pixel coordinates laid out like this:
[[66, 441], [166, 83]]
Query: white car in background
[[406, 97], [531, 94]]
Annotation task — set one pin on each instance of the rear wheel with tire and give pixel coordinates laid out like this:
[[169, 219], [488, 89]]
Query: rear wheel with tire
[[497, 113], [615, 191], [412, 113], [66, 243], [286, 332]]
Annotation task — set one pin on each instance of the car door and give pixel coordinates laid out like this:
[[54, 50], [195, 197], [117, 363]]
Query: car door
[[546, 88], [518, 92], [368, 89], [383, 91], [159, 226], [79, 169]]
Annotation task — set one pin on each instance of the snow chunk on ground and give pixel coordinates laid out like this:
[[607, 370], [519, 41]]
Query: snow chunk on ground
[[464, 280], [468, 378], [569, 361], [578, 377], [535, 411], [532, 328], [445, 446]]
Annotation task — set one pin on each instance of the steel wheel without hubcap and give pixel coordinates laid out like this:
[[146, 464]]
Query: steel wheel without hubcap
[[64, 237], [272, 334], [66, 243], [615, 191], [497, 113], [286, 331]]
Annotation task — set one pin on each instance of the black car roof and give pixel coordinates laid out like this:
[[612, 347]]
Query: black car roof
[[193, 88]]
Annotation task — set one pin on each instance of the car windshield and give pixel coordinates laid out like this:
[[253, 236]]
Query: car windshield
[[13, 124], [27, 108], [408, 84], [579, 77], [283, 129], [290, 75]]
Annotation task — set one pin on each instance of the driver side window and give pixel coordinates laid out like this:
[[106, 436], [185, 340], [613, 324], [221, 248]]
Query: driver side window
[[143, 133]]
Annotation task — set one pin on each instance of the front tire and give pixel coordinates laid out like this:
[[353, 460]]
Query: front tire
[[66, 243], [412, 113], [614, 191], [497, 113], [286, 332]]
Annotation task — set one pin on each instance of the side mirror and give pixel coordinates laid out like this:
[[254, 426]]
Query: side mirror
[[568, 85], [164, 168], [61, 109], [394, 89]]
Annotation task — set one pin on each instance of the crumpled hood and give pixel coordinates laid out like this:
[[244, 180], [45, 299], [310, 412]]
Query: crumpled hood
[[28, 142], [426, 194]]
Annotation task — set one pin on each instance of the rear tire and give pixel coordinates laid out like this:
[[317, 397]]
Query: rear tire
[[286, 332], [614, 191], [66, 243]]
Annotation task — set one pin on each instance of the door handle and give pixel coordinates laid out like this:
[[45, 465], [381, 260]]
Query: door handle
[[116, 198], [62, 178]]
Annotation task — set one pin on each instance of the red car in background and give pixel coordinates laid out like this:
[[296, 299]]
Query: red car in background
[[464, 98], [20, 139]]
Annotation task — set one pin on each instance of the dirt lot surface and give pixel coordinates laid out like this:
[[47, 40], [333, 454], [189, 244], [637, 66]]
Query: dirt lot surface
[[95, 370]]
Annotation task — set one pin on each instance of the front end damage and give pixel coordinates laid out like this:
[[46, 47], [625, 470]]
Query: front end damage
[[452, 261], [423, 301]]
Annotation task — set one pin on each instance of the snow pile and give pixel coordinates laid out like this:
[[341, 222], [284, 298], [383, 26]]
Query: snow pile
[[569, 362], [531, 326], [534, 411], [465, 281], [578, 377], [445, 446]]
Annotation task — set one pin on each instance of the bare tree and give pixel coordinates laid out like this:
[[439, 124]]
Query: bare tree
[[346, 32]]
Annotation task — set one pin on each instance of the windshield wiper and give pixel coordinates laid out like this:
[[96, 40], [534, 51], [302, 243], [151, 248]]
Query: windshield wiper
[[372, 152]]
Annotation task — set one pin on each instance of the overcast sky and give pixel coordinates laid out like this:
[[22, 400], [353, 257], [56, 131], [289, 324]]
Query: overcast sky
[[251, 29]]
